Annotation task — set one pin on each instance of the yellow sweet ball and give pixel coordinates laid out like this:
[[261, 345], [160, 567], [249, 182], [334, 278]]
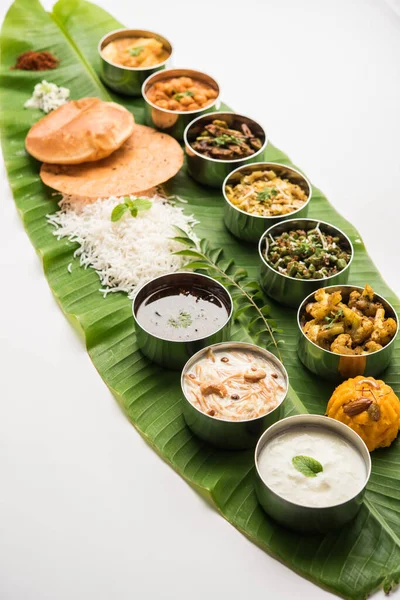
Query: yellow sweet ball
[[369, 407]]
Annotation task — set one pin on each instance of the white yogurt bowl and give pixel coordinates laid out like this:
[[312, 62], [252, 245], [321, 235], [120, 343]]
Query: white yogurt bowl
[[312, 472]]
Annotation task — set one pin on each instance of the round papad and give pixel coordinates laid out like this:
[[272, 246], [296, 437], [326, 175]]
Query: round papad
[[80, 131], [147, 159]]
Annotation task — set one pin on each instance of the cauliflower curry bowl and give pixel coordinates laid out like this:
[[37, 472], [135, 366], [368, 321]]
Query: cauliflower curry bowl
[[346, 331]]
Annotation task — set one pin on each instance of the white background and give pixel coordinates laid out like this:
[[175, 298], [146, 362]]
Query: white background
[[87, 510]]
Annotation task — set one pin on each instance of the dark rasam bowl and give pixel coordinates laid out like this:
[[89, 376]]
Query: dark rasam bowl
[[336, 367], [129, 80], [174, 122], [212, 171], [223, 433], [290, 291], [249, 227], [309, 518], [169, 353]]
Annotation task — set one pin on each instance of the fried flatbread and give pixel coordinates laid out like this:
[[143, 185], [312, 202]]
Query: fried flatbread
[[80, 131], [147, 159]]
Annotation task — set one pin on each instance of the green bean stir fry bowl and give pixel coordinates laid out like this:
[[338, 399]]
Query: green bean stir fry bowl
[[298, 256]]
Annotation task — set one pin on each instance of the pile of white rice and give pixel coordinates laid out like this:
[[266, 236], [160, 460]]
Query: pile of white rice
[[130, 251]]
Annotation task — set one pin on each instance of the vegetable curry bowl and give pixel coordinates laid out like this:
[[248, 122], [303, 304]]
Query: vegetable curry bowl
[[298, 256], [174, 97], [129, 56], [346, 331], [262, 194], [218, 142]]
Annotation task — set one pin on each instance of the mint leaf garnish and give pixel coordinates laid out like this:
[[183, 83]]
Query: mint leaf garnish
[[307, 466]]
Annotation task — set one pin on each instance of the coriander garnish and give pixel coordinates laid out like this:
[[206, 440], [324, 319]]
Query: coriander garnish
[[225, 139], [183, 319], [136, 50], [330, 321], [307, 466], [266, 194], [181, 95]]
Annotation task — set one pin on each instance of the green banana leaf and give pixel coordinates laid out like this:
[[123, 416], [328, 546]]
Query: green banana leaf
[[352, 562]]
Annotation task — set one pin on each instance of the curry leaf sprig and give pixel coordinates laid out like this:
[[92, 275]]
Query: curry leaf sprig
[[134, 206], [248, 298]]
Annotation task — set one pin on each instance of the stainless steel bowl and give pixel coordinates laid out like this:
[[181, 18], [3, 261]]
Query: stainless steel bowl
[[249, 227], [232, 435], [290, 291], [173, 354], [174, 122], [212, 171], [335, 367], [129, 80], [306, 518]]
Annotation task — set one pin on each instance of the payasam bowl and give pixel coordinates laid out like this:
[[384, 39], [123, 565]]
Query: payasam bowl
[[223, 433]]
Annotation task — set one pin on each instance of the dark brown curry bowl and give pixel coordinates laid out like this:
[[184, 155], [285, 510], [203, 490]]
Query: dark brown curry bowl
[[336, 367], [174, 122], [129, 80], [213, 171], [163, 349]]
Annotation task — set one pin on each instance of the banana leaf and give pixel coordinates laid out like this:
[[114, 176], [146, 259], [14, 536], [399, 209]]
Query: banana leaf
[[352, 562]]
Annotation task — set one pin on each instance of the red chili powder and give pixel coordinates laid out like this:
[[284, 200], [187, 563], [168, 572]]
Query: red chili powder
[[36, 61]]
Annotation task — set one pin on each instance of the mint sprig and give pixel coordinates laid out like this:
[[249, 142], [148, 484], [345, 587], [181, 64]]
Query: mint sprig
[[134, 207], [306, 465]]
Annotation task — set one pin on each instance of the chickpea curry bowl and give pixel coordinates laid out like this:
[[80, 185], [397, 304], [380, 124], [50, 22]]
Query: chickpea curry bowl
[[175, 96], [346, 329]]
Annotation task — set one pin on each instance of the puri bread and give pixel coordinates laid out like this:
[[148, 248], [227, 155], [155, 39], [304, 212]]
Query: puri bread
[[80, 131], [147, 159]]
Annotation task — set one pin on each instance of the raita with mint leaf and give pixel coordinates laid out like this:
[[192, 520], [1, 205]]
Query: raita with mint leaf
[[312, 466]]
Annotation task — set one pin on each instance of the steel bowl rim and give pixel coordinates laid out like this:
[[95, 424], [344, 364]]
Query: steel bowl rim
[[318, 419], [122, 67], [255, 164], [180, 112], [264, 235], [230, 313], [348, 356], [219, 160], [249, 346]]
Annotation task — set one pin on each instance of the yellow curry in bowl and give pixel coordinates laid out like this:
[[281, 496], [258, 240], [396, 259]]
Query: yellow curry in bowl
[[139, 52]]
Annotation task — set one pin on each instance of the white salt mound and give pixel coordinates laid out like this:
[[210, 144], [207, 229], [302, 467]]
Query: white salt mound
[[129, 252]]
